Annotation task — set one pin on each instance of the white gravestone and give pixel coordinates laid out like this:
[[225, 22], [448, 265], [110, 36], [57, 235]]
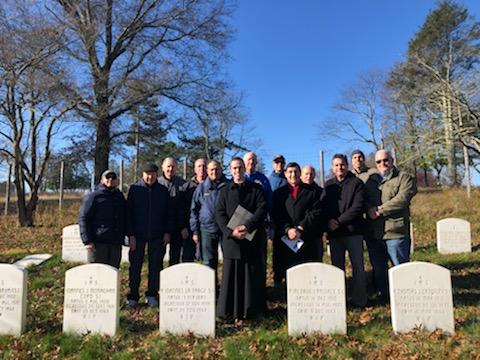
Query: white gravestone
[[453, 236], [412, 246], [316, 299], [13, 299], [125, 252], [31, 260], [73, 248], [187, 300], [421, 297], [92, 299]]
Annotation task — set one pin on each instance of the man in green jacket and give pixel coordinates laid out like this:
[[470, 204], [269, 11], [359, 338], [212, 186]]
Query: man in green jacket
[[388, 194]]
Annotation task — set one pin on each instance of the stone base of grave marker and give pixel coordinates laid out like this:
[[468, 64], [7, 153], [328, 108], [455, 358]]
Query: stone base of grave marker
[[92, 300], [13, 299], [421, 297], [453, 236], [187, 300], [316, 299]]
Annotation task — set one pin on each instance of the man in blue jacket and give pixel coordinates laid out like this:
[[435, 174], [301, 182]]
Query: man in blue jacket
[[202, 215], [277, 178], [149, 223], [102, 222]]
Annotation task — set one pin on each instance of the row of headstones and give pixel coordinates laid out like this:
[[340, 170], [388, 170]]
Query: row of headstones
[[421, 297], [73, 248], [453, 236]]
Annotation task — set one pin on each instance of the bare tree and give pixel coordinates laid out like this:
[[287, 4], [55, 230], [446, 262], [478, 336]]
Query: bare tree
[[160, 48], [358, 114], [32, 99]]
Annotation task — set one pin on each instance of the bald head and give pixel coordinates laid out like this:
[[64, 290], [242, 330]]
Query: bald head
[[308, 174], [200, 169], [169, 167], [250, 160], [384, 161]]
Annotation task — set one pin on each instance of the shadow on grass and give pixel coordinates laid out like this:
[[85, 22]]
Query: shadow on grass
[[137, 326], [465, 289]]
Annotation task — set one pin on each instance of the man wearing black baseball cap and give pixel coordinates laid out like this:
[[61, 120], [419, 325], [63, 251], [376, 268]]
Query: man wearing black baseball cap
[[149, 226], [102, 221]]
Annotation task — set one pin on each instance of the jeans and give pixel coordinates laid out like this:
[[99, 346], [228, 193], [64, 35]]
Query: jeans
[[156, 252], [380, 251], [398, 250], [209, 242], [354, 245]]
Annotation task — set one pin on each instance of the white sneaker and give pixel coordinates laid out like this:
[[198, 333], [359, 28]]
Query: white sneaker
[[132, 304], [152, 301]]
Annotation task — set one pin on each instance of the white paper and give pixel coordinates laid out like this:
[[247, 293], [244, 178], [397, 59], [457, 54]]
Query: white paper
[[293, 245]]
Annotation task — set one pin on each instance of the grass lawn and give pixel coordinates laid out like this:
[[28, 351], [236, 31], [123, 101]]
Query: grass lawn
[[369, 336]]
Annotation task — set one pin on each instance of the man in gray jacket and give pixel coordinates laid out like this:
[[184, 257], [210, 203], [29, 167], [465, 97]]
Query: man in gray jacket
[[388, 197]]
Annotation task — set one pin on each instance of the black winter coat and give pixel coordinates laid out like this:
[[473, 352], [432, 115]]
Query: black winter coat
[[345, 202], [250, 196], [305, 211], [177, 201], [102, 217], [149, 215]]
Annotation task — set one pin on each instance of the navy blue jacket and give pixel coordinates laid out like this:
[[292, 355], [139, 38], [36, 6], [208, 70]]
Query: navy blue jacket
[[202, 211], [102, 216], [259, 178], [149, 215]]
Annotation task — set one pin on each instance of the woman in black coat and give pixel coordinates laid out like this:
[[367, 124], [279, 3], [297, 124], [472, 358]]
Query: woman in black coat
[[297, 214]]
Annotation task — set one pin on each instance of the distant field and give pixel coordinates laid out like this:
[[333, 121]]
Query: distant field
[[369, 331]]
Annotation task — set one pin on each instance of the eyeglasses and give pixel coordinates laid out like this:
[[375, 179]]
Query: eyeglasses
[[111, 177], [385, 161]]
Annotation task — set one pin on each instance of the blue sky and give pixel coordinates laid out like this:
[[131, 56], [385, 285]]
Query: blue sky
[[292, 58]]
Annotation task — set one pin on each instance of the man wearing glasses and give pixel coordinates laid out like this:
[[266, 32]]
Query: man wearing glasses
[[102, 222], [388, 193]]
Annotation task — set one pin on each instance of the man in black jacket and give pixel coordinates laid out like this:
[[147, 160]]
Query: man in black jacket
[[102, 222], [193, 242], [150, 222], [242, 291], [344, 199], [179, 211], [297, 214]]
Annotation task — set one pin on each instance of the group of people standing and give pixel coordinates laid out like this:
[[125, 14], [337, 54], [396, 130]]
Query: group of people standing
[[194, 217]]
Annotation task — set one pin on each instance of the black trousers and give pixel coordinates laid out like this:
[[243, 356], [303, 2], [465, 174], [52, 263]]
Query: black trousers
[[177, 244], [110, 254], [156, 252]]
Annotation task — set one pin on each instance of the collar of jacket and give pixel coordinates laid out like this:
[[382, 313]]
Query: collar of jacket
[[280, 174], [209, 184], [144, 184], [102, 187], [174, 180], [393, 172], [348, 176], [363, 169]]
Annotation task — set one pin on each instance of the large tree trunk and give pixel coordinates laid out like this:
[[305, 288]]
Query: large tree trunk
[[25, 216], [102, 148]]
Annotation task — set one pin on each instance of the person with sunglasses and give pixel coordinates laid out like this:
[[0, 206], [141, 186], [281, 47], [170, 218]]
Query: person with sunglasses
[[102, 221], [388, 197]]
